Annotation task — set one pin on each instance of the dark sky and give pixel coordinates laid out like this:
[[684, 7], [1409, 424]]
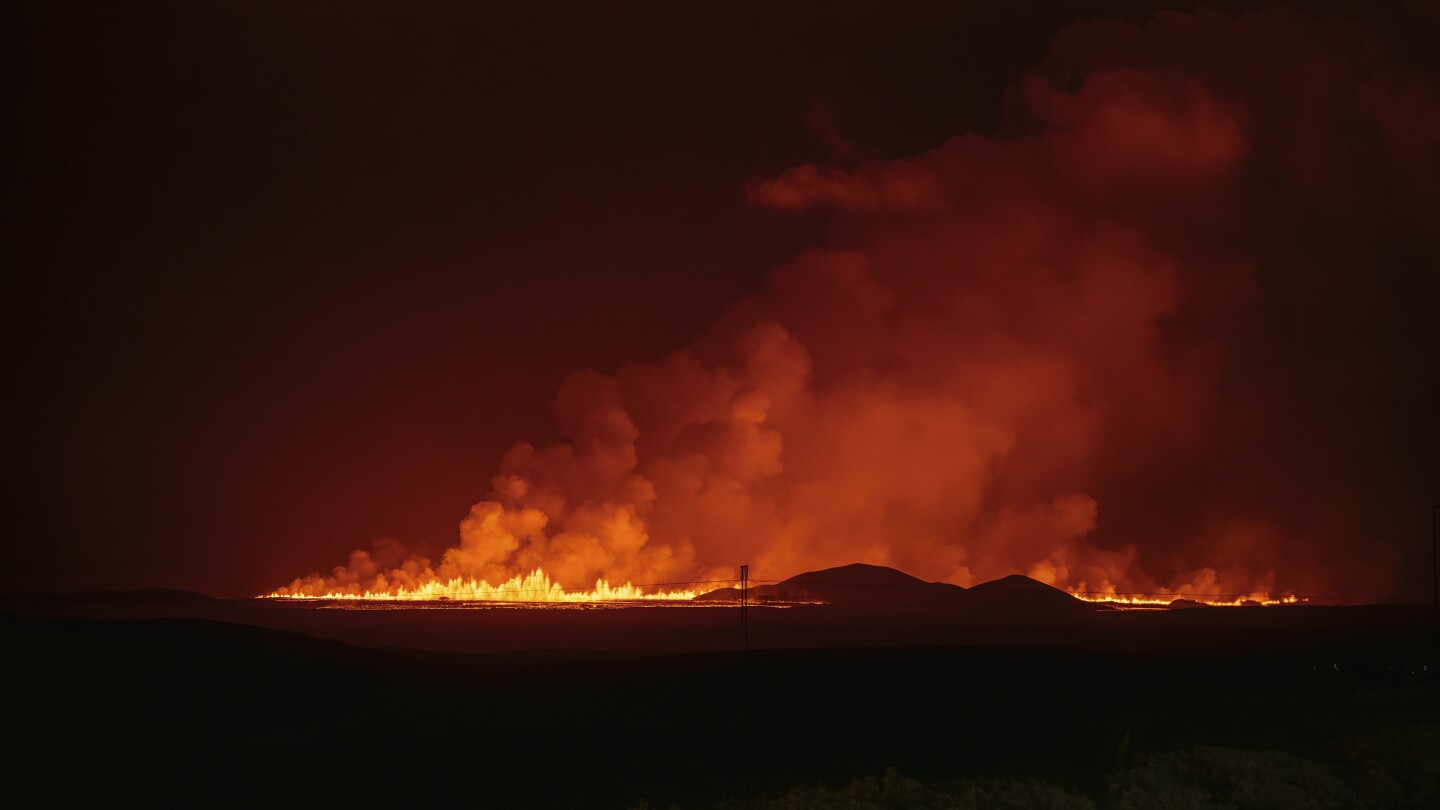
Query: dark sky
[[288, 277]]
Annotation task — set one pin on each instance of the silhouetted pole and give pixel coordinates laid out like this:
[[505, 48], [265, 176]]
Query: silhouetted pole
[[1435, 567], [744, 606]]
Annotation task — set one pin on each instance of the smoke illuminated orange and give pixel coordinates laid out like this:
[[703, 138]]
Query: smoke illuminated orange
[[992, 336]]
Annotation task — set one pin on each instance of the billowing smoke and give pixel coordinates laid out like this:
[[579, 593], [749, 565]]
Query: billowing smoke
[[1166, 329]]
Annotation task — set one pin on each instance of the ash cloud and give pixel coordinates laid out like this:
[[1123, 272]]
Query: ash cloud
[[1170, 328]]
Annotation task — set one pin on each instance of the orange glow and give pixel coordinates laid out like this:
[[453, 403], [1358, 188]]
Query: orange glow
[[1164, 599], [535, 587]]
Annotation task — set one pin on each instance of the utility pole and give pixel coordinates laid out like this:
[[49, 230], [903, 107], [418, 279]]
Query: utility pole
[[1435, 566], [744, 607]]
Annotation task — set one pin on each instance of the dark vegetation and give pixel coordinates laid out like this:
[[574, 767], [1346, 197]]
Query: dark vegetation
[[1368, 772], [202, 712]]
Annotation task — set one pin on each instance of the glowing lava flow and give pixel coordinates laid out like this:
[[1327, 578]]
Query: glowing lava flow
[[538, 587], [535, 587], [1164, 600]]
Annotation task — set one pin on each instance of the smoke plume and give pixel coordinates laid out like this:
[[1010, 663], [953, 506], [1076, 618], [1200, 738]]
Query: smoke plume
[[1165, 329]]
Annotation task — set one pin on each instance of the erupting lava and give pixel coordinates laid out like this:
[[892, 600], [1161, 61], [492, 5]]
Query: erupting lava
[[538, 587], [1164, 600], [534, 587], [1003, 339]]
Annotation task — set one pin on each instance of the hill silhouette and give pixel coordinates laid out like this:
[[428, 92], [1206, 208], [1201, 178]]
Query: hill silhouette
[[1017, 582], [120, 596], [879, 588], [861, 574], [139, 603], [1018, 597], [857, 584]]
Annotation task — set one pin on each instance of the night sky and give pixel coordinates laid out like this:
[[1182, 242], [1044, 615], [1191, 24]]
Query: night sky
[[288, 278]]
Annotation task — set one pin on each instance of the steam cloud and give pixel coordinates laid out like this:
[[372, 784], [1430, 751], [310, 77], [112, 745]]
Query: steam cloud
[[1164, 330]]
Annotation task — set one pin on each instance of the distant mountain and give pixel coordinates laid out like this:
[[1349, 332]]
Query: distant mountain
[[1021, 597], [142, 603], [872, 587], [878, 588], [857, 584], [137, 595], [862, 575], [1016, 582]]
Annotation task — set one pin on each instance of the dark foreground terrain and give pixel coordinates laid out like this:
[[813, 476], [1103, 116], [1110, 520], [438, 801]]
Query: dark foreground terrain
[[205, 711]]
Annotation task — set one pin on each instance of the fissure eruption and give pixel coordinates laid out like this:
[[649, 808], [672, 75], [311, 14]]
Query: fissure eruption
[[1100, 348]]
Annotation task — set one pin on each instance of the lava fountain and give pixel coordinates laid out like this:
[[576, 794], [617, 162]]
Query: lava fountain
[[1004, 339], [533, 587]]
